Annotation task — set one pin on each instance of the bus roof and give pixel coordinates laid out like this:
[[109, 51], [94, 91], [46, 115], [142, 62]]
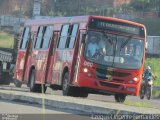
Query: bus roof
[[58, 20], [76, 19]]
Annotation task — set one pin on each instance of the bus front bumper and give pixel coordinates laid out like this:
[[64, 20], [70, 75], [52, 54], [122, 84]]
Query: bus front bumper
[[108, 86]]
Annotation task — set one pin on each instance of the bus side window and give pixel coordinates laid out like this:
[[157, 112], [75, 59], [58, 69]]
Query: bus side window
[[73, 35], [25, 37], [47, 36], [39, 37], [33, 37], [63, 36]]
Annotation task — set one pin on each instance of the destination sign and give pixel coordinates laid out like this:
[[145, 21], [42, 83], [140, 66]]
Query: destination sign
[[116, 26]]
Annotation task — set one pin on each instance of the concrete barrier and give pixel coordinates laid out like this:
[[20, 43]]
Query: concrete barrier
[[76, 104]]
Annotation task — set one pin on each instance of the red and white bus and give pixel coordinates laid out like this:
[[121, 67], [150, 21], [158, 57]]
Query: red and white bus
[[81, 55]]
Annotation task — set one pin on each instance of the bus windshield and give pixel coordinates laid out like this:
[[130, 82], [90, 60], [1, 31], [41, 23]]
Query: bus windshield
[[114, 50]]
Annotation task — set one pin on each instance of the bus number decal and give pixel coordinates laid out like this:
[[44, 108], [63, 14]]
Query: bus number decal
[[88, 64]]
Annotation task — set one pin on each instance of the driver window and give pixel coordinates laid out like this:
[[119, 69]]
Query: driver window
[[92, 45]]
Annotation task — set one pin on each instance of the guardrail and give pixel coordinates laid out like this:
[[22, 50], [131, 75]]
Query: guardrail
[[5, 56], [10, 21]]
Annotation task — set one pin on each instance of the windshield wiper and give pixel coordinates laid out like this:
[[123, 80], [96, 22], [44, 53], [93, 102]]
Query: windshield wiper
[[125, 42], [114, 50], [108, 39]]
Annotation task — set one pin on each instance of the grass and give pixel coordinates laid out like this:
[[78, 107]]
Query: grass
[[155, 65], [137, 103], [6, 40], [156, 93]]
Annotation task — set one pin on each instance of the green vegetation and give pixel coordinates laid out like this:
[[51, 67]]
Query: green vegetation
[[6, 40], [137, 104], [155, 65], [152, 26], [156, 93], [145, 5]]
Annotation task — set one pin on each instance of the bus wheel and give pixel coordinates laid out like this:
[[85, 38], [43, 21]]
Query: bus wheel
[[120, 98], [17, 83], [67, 91], [33, 86], [41, 88], [83, 93]]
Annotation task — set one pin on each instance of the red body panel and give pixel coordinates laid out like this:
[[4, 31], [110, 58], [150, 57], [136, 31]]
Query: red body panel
[[114, 85], [20, 65]]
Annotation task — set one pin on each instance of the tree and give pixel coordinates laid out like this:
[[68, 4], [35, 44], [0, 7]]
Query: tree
[[145, 5]]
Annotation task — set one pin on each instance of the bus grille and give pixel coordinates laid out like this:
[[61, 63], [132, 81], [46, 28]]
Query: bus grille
[[102, 73], [109, 85]]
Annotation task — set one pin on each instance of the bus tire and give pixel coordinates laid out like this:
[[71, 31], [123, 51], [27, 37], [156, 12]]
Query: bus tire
[[17, 83], [66, 89], [82, 93], [120, 98], [85, 94], [41, 88], [32, 85]]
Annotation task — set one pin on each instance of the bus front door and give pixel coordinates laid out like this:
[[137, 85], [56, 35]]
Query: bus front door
[[22, 55], [51, 58]]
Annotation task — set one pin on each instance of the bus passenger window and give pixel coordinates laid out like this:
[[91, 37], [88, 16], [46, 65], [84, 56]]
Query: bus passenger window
[[25, 38], [73, 36], [39, 37], [63, 36], [47, 37]]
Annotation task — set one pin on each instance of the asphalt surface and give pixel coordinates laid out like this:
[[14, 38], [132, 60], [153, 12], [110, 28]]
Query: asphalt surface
[[8, 107], [63, 108], [21, 111]]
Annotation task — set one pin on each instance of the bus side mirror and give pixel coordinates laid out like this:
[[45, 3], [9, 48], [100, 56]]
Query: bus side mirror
[[83, 38]]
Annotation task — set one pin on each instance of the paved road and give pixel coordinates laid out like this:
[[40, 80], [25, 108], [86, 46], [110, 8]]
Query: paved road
[[153, 103], [33, 112], [19, 108]]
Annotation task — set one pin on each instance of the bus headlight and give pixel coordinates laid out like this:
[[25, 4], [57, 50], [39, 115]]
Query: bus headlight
[[135, 79], [85, 70]]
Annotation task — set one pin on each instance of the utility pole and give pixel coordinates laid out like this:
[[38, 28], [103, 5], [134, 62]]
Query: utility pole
[[78, 7], [37, 8]]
